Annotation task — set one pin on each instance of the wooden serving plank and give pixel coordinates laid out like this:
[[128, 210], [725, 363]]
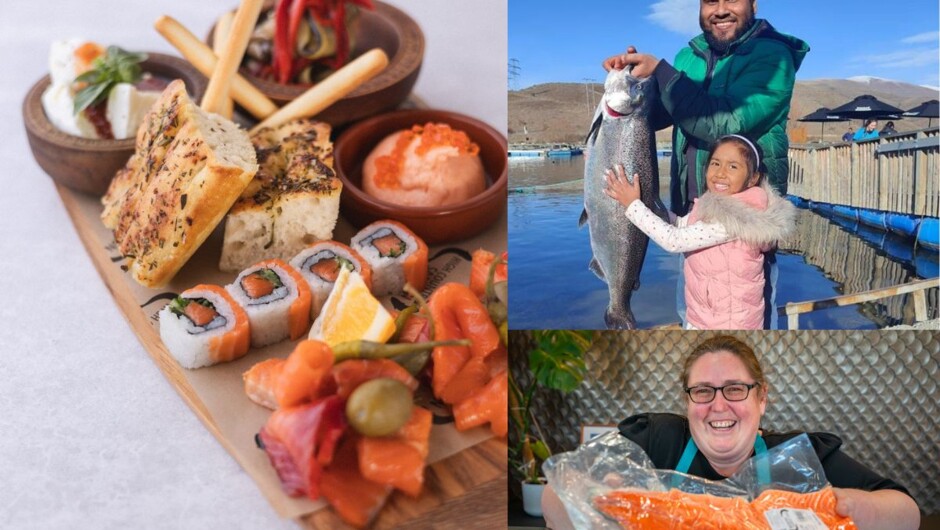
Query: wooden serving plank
[[466, 480]]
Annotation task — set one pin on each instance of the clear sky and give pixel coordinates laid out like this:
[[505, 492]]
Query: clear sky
[[566, 41]]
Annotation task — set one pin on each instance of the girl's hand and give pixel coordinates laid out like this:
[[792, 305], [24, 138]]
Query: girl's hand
[[619, 188]]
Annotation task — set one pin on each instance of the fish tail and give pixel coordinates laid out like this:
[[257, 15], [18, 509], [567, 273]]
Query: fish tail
[[622, 319]]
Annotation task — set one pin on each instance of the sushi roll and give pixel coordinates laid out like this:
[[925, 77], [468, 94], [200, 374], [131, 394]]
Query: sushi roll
[[204, 326], [396, 254], [320, 264], [277, 300]]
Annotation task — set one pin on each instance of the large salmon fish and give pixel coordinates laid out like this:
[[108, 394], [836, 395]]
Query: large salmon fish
[[620, 134]]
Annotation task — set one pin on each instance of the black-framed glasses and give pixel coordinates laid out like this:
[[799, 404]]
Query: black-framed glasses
[[731, 392]]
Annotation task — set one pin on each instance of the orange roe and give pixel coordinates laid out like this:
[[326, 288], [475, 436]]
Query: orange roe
[[85, 54], [388, 167]]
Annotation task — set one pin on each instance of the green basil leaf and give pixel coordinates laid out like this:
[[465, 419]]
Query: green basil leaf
[[90, 95]]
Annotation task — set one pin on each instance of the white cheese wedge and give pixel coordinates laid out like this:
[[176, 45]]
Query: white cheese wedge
[[58, 103], [62, 61], [127, 107]]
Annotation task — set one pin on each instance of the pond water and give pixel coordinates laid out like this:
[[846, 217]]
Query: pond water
[[551, 286]]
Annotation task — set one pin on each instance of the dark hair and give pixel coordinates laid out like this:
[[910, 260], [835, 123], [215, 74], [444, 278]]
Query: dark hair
[[750, 157], [869, 121], [730, 344], [889, 124]]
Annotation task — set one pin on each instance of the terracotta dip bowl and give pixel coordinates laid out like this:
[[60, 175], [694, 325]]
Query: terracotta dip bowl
[[386, 27], [88, 164], [443, 224]]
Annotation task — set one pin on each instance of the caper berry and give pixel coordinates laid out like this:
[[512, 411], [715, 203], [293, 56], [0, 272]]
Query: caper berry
[[379, 407]]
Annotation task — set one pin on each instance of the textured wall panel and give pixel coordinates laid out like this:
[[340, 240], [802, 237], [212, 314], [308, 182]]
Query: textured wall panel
[[879, 391]]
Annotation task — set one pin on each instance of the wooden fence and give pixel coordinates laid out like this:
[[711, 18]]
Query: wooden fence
[[899, 173]]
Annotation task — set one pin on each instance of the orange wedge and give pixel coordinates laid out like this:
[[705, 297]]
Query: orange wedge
[[352, 313]]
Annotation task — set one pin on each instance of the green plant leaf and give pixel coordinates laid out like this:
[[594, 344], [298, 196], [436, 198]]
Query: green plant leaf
[[558, 360]]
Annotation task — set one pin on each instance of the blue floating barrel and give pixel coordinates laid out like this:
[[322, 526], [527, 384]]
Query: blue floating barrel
[[928, 234], [926, 264], [873, 218], [903, 224], [799, 202], [847, 212]]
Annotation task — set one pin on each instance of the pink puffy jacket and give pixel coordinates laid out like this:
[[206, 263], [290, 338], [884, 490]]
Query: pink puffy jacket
[[724, 284]]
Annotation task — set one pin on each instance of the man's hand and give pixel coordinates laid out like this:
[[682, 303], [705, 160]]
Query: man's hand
[[643, 64], [616, 62], [619, 188]]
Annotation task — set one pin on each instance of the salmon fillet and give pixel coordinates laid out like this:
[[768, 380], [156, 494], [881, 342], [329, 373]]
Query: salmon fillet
[[676, 510]]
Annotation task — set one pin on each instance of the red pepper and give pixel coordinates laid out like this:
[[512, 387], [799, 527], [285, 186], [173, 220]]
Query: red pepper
[[283, 45]]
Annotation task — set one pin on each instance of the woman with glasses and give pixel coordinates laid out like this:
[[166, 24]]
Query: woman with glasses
[[726, 395]]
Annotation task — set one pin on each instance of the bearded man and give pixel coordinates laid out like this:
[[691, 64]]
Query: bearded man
[[735, 78]]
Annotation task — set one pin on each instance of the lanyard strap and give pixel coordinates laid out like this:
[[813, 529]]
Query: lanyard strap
[[685, 461]]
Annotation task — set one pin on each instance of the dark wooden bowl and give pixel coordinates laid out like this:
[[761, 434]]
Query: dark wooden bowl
[[388, 28], [435, 225], [87, 164]]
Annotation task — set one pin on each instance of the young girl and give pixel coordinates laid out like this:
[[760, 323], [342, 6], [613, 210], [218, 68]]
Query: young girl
[[723, 237]]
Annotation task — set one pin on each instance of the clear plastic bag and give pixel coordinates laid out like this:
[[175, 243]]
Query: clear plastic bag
[[610, 483]]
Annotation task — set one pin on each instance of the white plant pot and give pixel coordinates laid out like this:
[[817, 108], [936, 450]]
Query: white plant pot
[[532, 498]]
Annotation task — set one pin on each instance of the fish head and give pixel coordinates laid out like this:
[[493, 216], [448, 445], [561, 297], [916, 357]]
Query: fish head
[[625, 94]]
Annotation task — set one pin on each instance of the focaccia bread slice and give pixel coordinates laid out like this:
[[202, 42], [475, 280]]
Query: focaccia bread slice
[[293, 200], [187, 170]]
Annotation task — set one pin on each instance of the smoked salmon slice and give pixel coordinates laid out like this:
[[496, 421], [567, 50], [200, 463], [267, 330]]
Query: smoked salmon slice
[[480, 262], [356, 499], [458, 314], [260, 381], [398, 460], [302, 375], [489, 404], [648, 510], [348, 375], [300, 440]]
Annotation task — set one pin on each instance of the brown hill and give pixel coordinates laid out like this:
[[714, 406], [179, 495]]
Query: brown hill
[[562, 112]]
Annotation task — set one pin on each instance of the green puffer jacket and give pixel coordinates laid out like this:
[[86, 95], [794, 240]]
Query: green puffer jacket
[[746, 91]]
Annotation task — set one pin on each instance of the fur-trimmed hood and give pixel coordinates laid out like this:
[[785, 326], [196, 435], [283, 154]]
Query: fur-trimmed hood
[[745, 222]]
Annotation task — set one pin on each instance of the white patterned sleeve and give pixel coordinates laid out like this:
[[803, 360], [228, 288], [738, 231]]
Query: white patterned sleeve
[[683, 238]]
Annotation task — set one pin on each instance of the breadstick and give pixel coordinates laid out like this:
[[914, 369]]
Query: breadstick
[[200, 56], [222, 30], [330, 90], [232, 53]]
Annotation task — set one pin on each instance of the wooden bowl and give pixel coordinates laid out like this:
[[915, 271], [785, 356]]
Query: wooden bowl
[[443, 224], [88, 164], [386, 27]]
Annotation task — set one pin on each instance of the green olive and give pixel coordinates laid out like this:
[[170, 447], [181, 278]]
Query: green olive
[[379, 407]]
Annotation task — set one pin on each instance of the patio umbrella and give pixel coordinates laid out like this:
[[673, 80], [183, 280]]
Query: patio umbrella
[[927, 109], [866, 106], [822, 115]]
